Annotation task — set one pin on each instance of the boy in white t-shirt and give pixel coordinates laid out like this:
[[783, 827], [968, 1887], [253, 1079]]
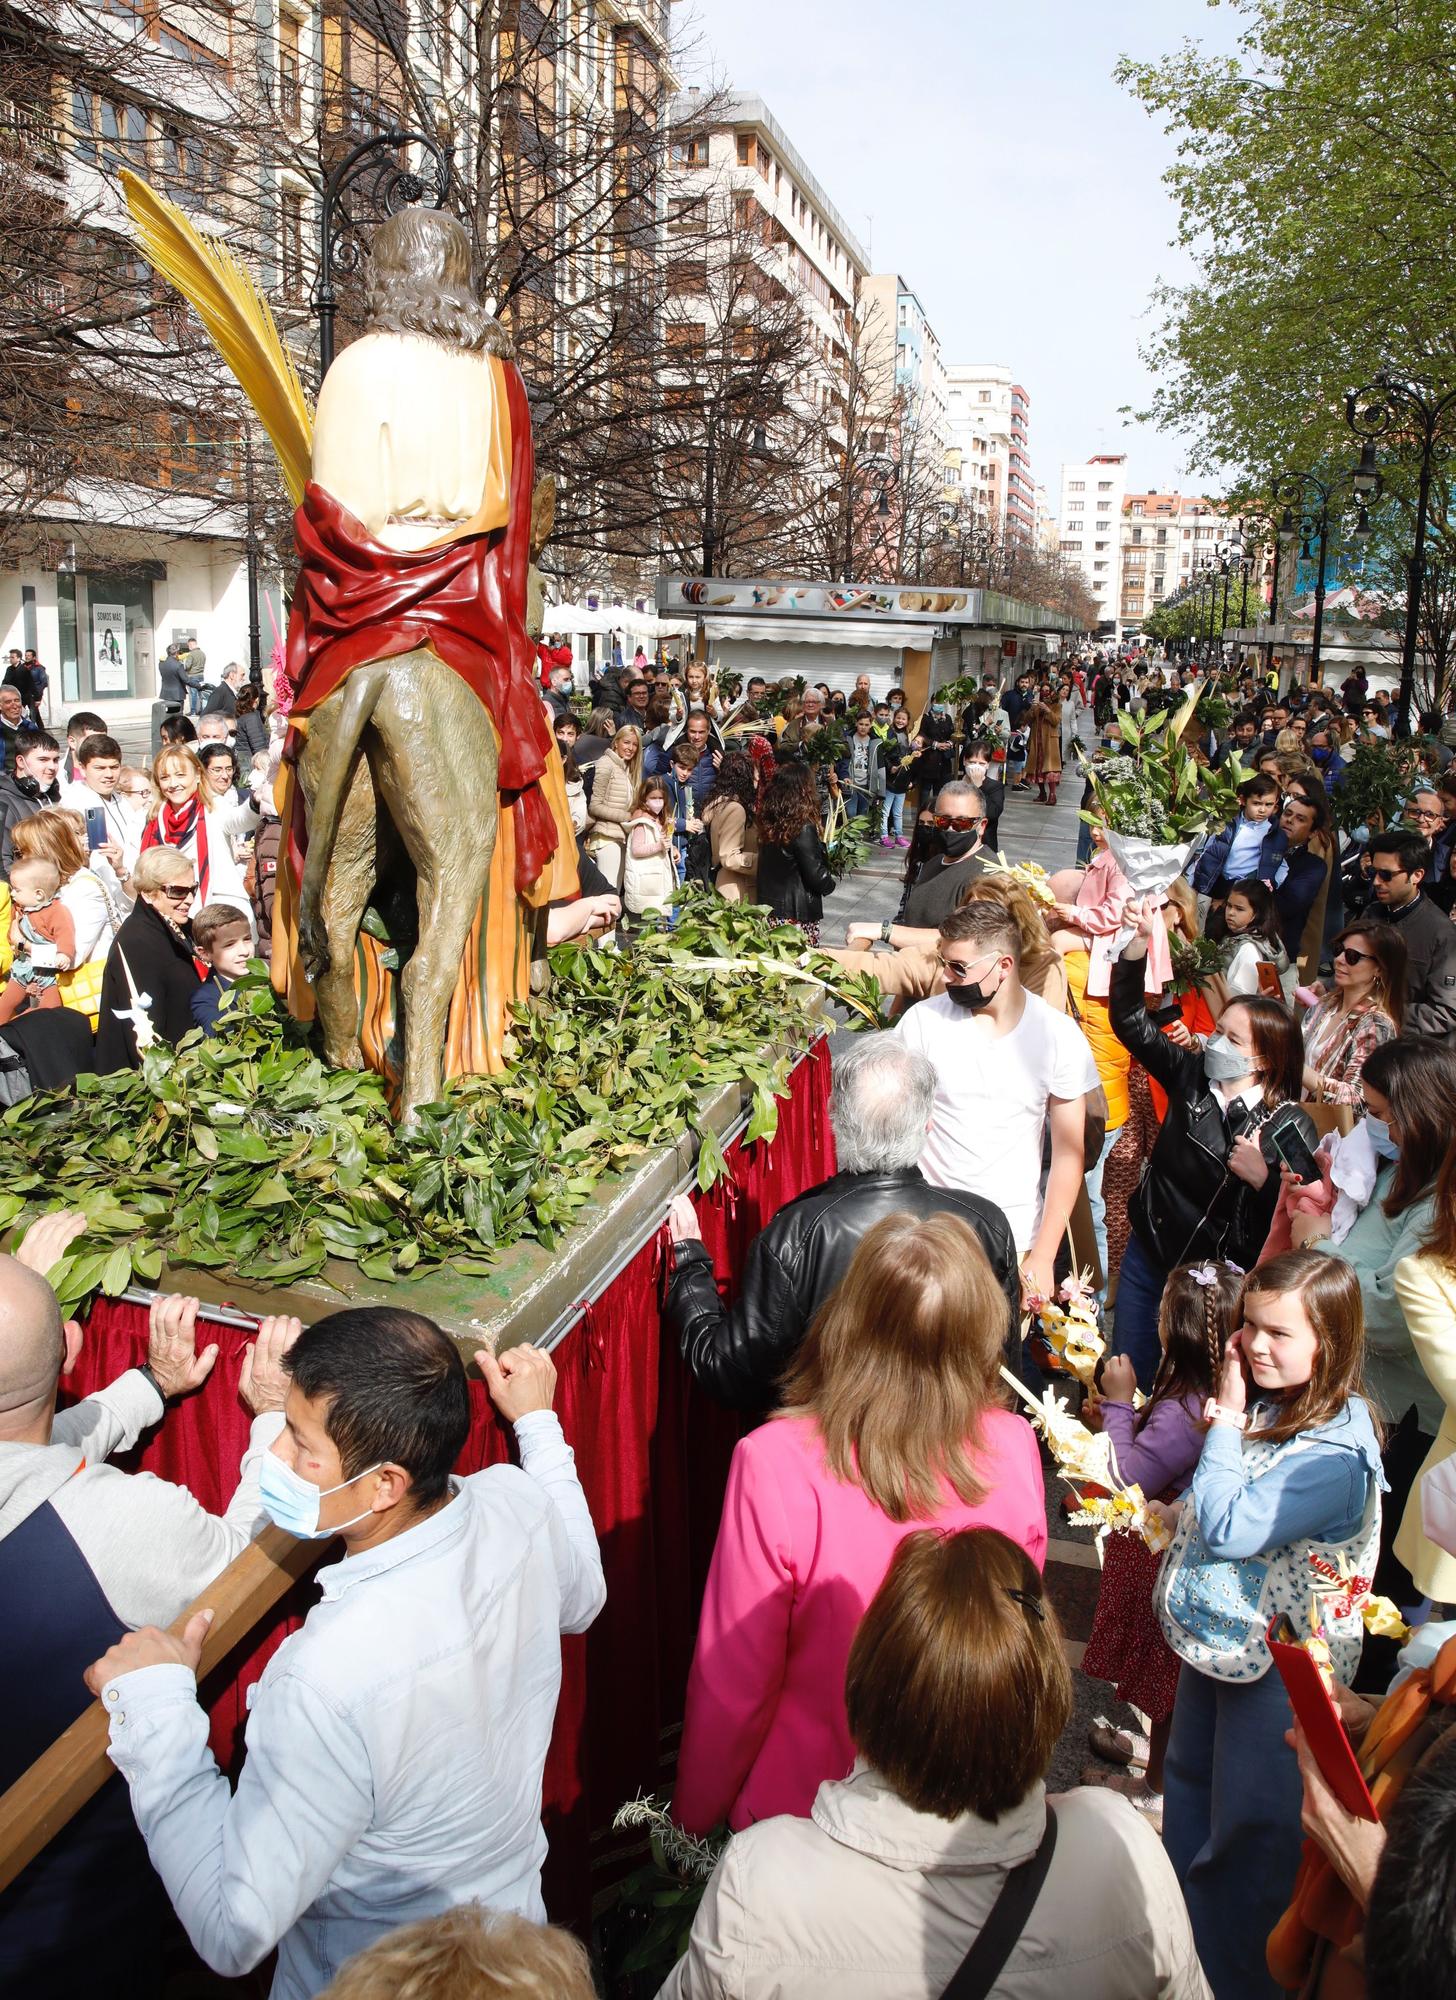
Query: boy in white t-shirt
[[1007, 1066]]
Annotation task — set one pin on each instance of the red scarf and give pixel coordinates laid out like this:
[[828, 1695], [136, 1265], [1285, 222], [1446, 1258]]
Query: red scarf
[[175, 826]]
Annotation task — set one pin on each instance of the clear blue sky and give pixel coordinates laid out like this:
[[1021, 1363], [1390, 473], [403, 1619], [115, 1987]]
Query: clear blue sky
[[1009, 180]]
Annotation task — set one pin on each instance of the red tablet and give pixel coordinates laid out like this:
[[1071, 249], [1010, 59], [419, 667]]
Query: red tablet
[[1324, 1732]]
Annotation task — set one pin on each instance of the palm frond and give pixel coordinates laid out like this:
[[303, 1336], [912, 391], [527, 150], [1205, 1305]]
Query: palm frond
[[237, 319]]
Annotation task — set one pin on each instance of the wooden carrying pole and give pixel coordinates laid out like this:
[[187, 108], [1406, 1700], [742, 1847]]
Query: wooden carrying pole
[[60, 1781]]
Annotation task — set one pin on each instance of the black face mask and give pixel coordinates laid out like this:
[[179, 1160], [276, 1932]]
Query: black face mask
[[957, 844], [970, 994]]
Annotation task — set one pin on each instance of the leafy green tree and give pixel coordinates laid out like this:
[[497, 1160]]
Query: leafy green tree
[[1316, 183]]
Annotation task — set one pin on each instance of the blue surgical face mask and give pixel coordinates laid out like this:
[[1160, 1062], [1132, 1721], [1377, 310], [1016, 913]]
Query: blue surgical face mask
[[1385, 1147], [292, 1502], [1222, 1062]]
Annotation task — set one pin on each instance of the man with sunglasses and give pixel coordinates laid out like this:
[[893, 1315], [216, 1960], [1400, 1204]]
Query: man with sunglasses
[[1009, 1068], [1400, 861], [940, 887]]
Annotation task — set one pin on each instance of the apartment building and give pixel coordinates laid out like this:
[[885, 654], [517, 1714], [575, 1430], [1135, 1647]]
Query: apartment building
[[1090, 529], [988, 404], [133, 509], [1165, 538], [761, 334]]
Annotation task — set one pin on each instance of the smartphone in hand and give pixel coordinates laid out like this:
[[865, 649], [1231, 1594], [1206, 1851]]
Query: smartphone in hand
[[1293, 1148]]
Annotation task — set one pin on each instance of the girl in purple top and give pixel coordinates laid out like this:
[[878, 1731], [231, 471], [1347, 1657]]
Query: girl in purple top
[[1157, 1448]]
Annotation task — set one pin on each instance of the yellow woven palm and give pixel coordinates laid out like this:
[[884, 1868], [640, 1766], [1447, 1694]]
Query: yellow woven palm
[[237, 319]]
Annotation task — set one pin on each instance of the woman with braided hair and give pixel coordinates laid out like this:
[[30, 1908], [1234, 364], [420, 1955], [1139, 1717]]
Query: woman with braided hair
[[1156, 1448]]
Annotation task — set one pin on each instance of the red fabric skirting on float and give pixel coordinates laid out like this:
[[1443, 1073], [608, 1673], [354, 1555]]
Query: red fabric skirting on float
[[652, 1453]]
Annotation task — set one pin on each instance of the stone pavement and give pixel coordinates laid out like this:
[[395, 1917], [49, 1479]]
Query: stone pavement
[[1046, 834]]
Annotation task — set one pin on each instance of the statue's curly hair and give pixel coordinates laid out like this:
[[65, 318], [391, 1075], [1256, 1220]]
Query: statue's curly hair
[[418, 280]]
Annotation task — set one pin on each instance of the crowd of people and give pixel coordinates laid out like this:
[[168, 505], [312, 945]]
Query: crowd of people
[[127, 885], [1254, 1160]]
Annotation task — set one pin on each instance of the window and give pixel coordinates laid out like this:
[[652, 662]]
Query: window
[[1077, 486], [985, 396], [83, 123], [291, 244], [690, 152], [1104, 486], [1071, 548], [123, 134], [1137, 535], [745, 149], [1136, 508], [685, 215], [1102, 545], [1162, 537], [1104, 506], [1076, 506], [289, 102]]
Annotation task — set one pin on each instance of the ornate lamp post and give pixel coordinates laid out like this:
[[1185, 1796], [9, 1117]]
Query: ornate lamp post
[[1391, 404], [1312, 495], [383, 184]]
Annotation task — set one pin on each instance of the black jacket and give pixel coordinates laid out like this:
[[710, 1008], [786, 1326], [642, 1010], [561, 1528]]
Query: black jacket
[[1188, 1205], [173, 682], [20, 798], [222, 701], [251, 736], [162, 969], [794, 1264], [1430, 963], [793, 880]]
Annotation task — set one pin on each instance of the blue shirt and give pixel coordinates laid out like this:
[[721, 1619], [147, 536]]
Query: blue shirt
[[396, 1743], [1245, 849]]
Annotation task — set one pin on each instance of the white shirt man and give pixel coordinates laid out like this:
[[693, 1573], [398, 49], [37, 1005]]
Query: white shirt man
[[1007, 1067], [94, 789], [396, 1743]]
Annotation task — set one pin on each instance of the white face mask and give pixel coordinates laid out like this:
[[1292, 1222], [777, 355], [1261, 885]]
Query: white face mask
[[654, 805]]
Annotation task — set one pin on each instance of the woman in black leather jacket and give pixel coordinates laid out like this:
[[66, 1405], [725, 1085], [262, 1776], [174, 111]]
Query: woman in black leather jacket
[[1212, 1183], [793, 868]]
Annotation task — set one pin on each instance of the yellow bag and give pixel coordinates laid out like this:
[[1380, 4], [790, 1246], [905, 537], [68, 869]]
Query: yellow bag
[[81, 988], [7, 956]]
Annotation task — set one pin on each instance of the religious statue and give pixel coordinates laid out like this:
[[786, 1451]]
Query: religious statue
[[424, 810]]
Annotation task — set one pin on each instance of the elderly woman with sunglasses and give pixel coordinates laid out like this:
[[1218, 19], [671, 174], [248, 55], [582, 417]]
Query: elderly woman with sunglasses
[[1347, 1025], [150, 960]]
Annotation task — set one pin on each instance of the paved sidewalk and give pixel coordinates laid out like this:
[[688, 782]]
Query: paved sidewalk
[[1028, 832]]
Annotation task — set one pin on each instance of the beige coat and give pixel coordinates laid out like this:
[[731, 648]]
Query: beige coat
[[610, 805], [734, 841], [870, 1900], [1426, 1290]]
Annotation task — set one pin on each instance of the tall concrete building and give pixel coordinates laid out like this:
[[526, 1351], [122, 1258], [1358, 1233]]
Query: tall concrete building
[[1090, 529], [987, 400]]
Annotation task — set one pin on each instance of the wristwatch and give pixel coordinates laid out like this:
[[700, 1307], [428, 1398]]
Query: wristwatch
[[1216, 1412], [885, 928]]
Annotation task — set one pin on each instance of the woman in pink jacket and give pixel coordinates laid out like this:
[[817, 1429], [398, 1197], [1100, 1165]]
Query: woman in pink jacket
[[890, 1422]]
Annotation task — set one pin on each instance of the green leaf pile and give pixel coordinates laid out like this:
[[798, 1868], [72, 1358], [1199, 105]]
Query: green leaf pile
[[243, 1152]]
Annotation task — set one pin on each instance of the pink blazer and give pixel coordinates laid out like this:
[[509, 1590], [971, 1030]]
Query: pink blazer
[[798, 1558]]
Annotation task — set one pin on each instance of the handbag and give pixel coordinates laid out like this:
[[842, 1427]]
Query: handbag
[[1329, 1117], [976, 1975]]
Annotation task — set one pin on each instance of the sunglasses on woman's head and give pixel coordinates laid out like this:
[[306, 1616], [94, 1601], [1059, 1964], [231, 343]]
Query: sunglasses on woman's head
[[956, 822]]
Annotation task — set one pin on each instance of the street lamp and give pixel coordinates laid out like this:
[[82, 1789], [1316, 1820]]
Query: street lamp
[[386, 185], [1387, 404], [1306, 500]]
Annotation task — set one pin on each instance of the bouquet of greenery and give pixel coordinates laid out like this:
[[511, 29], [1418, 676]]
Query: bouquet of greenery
[[1377, 781], [1195, 962], [1157, 803], [644, 1933]]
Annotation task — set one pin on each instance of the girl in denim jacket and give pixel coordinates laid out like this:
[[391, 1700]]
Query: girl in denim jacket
[[1285, 1502]]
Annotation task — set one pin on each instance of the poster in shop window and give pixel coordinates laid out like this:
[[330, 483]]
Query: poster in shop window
[[108, 637]]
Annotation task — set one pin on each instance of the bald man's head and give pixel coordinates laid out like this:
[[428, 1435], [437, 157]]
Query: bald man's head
[[32, 1343]]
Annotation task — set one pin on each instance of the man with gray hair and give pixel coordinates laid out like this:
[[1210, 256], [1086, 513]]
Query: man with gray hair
[[940, 887], [879, 1110]]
